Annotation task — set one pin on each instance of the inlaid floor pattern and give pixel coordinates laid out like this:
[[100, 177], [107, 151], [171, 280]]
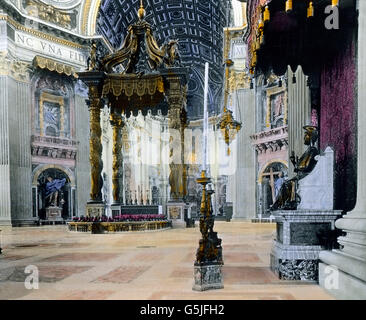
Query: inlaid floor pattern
[[76, 266]]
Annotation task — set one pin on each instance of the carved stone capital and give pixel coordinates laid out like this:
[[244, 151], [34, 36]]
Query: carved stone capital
[[18, 70]]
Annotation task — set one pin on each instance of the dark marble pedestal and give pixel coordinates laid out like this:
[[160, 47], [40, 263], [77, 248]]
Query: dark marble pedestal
[[299, 239], [208, 277]]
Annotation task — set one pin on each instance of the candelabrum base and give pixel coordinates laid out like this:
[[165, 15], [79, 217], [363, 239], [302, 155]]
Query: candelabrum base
[[208, 277]]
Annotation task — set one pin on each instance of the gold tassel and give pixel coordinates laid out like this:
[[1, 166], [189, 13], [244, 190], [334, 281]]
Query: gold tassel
[[288, 6], [310, 10], [266, 14], [254, 59], [257, 45], [260, 26], [335, 3]]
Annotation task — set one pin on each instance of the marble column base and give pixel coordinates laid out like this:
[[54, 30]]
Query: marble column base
[[349, 273], [95, 209], [345, 287], [208, 277], [5, 227], [30, 222]]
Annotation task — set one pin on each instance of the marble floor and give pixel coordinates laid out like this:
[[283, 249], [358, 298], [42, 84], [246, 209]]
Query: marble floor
[[146, 265]]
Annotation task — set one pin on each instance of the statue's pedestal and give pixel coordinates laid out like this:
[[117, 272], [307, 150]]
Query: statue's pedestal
[[299, 240], [54, 214], [95, 209], [175, 213], [208, 277]]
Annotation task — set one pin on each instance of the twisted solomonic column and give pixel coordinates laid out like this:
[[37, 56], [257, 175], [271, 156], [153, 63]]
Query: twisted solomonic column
[[95, 141], [177, 124], [117, 124]]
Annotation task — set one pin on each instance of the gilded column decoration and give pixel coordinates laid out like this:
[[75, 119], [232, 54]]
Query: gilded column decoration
[[95, 141], [238, 80], [117, 124]]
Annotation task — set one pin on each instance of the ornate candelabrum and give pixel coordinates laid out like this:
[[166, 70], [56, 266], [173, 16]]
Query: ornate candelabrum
[[229, 127], [207, 267]]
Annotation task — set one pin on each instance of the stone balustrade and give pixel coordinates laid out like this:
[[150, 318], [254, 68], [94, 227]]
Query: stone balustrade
[[107, 227]]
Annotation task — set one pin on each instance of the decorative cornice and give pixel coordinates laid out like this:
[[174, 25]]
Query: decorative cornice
[[271, 140], [53, 147]]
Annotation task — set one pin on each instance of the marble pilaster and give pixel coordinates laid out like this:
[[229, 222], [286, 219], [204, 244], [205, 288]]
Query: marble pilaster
[[5, 207], [82, 160], [244, 176], [299, 112], [15, 130]]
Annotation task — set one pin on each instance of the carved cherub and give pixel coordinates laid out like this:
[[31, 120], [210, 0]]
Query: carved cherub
[[172, 56]]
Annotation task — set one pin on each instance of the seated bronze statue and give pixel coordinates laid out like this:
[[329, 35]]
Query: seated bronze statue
[[287, 198]]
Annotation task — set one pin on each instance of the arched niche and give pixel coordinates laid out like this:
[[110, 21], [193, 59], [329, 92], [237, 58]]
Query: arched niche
[[68, 192]]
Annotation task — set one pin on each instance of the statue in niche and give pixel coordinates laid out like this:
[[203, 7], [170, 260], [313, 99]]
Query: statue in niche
[[53, 188], [287, 198]]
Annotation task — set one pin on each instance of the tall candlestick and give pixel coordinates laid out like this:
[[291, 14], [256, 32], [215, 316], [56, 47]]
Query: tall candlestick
[[205, 122]]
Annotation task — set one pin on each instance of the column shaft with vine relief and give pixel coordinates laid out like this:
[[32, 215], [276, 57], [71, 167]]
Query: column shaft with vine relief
[[95, 141], [117, 124], [177, 121]]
